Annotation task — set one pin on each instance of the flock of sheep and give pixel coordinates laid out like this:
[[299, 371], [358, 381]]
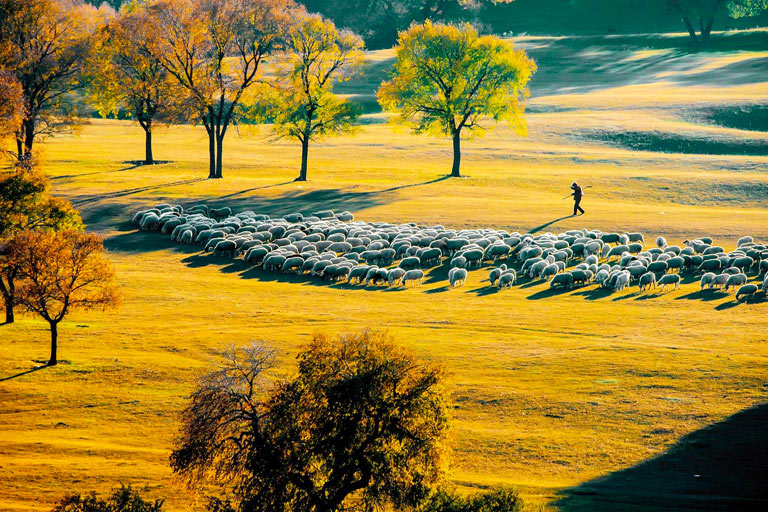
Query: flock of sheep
[[335, 247]]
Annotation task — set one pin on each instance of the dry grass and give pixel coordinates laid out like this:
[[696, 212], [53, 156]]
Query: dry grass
[[549, 391]]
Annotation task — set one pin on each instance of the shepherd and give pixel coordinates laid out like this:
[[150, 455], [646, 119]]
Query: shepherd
[[577, 194]]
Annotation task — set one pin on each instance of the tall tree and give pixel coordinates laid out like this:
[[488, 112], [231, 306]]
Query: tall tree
[[447, 78], [362, 420], [704, 13], [43, 44], [123, 77], [26, 204], [302, 104], [215, 49], [62, 272]]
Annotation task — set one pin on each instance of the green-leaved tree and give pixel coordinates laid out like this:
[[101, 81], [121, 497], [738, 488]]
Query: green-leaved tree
[[448, 78], [301, 102]]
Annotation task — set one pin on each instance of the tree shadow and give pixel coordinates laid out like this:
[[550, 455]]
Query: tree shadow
[[133, 165], [85, 199], [241, 192], [25, 372], [721, 467], [547, 224]]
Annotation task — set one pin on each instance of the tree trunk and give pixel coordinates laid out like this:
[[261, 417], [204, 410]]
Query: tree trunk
[[219, 157], [456, 172], [54, 342], [211, 154], [29, 136], [19, 146], [706, 29], [148, 158], [304, 157], [689, 27], [8, 297]]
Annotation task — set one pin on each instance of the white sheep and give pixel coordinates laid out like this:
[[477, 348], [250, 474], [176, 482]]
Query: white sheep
[[457, 277], [747, 291], [707, 279], [412, 276], [669, 279], [735, 280], [507, 280], [394, 275], [661, 242], [745, 240], [647, 281], [622, 281], [494, 274]]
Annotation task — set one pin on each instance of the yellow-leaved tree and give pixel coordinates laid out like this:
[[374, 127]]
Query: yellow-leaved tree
[[300, 101], [448, 78]]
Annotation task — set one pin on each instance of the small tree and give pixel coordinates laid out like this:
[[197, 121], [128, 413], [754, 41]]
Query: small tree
[[302, 104], [362, 420], [123, 499], [123, 77], [25, 204], [498, 499], [448, 78], [214, 50], [62, 272]]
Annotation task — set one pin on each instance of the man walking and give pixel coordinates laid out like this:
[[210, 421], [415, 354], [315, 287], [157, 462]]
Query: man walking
[[577, 195]]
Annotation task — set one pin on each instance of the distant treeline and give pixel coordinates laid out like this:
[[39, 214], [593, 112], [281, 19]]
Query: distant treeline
[[379, 21]]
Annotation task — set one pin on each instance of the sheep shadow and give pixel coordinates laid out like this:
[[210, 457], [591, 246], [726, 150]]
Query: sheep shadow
[[628, 296], [704, 295], [595, 293], [549, 292], [441, 289], [437, 274], [485, 290]]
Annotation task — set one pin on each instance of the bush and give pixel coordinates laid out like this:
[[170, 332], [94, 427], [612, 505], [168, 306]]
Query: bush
[[123, 499], [498, 499]]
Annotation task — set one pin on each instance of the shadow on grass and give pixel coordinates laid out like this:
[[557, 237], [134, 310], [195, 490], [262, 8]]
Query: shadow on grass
[[549, 292], [25, 372], [85, 199], [720, 467], [547, 224], [595, 293], [672, 142], [704, 295]]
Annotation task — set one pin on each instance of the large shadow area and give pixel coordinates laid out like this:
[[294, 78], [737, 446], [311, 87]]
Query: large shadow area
[[685, 143], [721, 467]]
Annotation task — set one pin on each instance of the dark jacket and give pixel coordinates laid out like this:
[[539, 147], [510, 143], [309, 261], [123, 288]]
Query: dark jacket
[[577, 193]]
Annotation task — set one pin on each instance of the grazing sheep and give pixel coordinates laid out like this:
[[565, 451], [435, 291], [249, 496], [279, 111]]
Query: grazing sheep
[[507, 280], [675, 263], [550, 271], [394, 275], [225, 247], [274, 262], [735, 280], [636, 237], [496, 273], [647, 281], [430, 257], [459, 262], [537, 268], [661, 242], [745, 240], [658, 267], [719, 281], [707, 279], [581, 276], [622, 281], [186, 236], [746, 292], [413, 277], [713, 250], [293, 264], [564, 280], [457, 277], [219, 213], [474, 257], [710, 265], [744, 263], [410, 263], [764, 287], [669, 279]]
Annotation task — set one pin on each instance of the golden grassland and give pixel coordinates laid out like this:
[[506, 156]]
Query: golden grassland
[[548, 390]]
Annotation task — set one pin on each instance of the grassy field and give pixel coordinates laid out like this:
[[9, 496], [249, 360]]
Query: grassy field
[[585, 401]]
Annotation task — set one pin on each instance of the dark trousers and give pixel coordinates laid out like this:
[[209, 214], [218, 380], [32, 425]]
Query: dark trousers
[[576, 206]]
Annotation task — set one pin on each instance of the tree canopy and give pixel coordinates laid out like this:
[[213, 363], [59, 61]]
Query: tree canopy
[[362, 421], [214, 50], [301, 102], [43, 44], [447, 78]]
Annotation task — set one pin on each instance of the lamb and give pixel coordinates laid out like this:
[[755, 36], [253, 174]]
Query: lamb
[[457, 277], [746, 292], [507, 280], [669, 279], [735, 280], [412, 276], [647, 281], [564, 280]]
